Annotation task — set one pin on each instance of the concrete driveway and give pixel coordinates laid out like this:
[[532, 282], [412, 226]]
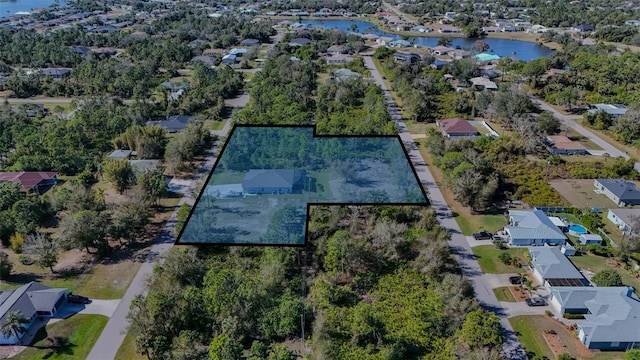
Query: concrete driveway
[[96, 307]]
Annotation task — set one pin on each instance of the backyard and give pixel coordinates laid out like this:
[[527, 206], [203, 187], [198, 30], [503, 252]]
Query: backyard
[[580, 193], [70, 338], [487, 256], [595, 264]]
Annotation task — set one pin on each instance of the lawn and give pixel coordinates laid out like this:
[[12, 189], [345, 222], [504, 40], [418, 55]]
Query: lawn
[[127, 350], [214, 125], [227, 177], [580, 193], [598, 263], [576, 136], [108, 282], [419, 128], [531, 328], [487, 256], [70, 338], [469, 223], [504, 294]]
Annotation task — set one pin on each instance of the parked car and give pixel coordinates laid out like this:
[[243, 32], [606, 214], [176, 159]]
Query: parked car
[[536, 301], [516, 280], [483, 235], [77, 299]]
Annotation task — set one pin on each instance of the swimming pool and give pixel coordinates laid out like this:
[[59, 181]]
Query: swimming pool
[[577, 230]]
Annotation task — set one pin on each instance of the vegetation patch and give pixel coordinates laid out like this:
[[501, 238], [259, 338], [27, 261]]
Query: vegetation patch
[[70, 338], [488, 257]]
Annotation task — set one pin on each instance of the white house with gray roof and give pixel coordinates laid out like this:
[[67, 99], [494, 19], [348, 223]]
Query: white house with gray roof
[[620, 191], [624, 219], [532, 228], [552, 268], [611, 315], [31, 300]]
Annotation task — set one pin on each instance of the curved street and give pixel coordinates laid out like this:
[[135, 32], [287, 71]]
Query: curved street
[[458, 243]]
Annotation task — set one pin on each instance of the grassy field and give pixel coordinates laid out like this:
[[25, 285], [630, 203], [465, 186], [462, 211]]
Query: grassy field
[[469, 223], [213, 125], [504, 294], [227, 177], [487, 256], [419, 128], [71, 338], [580, 193], [531, 336], [127, 350], [597, 263], [108, 282]]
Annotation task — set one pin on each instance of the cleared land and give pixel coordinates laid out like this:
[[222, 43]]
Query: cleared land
[[580, 193], [71, 338]]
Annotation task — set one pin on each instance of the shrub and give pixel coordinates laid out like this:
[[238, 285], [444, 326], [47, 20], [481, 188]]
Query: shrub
[[573, 316], [565, 356], [16, 240], [549, 313], [505, 257], [5, 266], [25, 259], [607, 277]]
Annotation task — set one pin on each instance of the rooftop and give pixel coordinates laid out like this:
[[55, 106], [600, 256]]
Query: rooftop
[[27, 179], [624, 190], [629, 216], [457, 126], [533, 224], [564, 143], [551, 263]]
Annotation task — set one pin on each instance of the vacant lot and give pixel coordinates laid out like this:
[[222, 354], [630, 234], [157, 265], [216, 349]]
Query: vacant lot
[[596, 264], [71, 338], [580, 193]]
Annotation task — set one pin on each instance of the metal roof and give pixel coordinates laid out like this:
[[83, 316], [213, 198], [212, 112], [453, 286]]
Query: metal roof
[[623, 189], [533, 224], [551, 263]]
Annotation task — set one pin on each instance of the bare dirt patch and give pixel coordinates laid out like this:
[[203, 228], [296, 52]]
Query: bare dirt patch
[[518, 293], [564, 340], [580, 193]]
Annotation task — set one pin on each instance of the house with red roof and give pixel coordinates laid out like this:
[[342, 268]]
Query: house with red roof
[[458, 129], [31, 181]]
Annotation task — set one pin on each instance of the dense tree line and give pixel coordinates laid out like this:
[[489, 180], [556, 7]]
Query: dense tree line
[[363, 265]]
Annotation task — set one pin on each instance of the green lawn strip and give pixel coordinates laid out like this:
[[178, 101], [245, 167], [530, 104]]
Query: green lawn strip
[[504, 294], [597, 263], [213, 125], [531, 336], [487, 256], [576, 136], [107, 282], [227, 177], [127, 350], [75, 336]]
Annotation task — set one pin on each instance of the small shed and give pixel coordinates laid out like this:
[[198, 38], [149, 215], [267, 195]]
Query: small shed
[[568, 250], [589, 239]]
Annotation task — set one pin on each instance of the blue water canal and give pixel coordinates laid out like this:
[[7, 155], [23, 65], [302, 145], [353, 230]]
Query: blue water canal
[[11, 7], [522, 50]]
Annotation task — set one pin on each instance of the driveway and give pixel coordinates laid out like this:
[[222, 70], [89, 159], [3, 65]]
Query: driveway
[[459, 244], [96, 307]]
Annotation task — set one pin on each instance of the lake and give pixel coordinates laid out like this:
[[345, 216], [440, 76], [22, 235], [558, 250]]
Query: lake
[[522, 50], [9, 8]]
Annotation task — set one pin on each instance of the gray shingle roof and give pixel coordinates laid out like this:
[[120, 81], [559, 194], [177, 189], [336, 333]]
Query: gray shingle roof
[[533, 225], [621, 188], [552, 264], [271, 178], [28, 299], [614, 317]]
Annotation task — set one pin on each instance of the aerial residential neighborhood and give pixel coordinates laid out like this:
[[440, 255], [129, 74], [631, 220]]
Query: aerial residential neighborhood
[[319, 180]]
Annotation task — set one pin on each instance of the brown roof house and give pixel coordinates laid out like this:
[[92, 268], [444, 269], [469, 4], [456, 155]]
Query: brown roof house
[[562, 145], [36, 181], [458, 129]]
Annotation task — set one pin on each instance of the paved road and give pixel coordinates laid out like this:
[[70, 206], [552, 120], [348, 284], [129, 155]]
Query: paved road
[[114, 332], [570, 121], [459, 244]]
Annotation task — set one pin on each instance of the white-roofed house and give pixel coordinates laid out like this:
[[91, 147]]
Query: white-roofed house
[[624, 219], [611, 315], [532, 228]]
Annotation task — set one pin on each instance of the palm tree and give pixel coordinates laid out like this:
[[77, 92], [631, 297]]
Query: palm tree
[[13, 325]]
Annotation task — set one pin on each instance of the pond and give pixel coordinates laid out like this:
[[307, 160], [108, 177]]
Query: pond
[[522, 50]]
